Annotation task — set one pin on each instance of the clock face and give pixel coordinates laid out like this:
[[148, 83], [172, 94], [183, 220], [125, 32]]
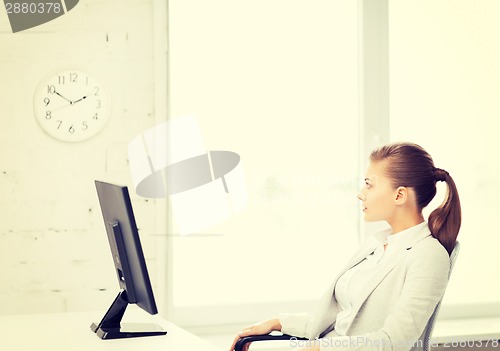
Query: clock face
[[71, 105]]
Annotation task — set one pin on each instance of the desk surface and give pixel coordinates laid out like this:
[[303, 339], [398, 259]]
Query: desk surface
[[71, 332]]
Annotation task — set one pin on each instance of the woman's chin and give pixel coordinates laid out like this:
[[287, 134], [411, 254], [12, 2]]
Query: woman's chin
[[368, 218]]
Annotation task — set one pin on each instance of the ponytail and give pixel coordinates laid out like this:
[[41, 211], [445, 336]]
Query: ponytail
[[444, 221], [411, 166]]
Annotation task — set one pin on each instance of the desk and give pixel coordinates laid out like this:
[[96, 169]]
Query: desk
[[71, 332]]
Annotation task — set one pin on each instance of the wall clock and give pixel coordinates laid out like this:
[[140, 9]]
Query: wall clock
[[71, 105]]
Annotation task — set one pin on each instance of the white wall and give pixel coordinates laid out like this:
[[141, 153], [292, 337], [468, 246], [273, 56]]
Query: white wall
[[53, 247]]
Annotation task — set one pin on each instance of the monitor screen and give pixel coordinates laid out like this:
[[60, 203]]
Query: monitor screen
[[128, 259]]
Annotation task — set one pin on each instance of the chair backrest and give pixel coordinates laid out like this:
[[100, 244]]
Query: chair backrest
[[426, 336]]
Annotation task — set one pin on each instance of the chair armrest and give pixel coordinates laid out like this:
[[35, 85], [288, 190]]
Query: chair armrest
[[245, 340]]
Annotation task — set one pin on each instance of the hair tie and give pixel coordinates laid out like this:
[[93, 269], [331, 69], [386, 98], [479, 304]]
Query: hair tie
[[440, 174]]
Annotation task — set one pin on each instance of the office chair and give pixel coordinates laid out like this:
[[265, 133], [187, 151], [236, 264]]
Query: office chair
[[426, 336], [422, 344]]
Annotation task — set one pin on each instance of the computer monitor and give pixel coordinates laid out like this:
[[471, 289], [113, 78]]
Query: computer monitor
[[130, 266]]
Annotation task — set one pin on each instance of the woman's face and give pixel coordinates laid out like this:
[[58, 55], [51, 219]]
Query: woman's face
[[377, 195]]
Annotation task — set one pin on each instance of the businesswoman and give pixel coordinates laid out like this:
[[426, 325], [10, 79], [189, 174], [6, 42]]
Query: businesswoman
[[383, 298]]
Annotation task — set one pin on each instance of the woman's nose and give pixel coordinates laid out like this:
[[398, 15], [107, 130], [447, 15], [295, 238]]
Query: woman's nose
[[361, 197]]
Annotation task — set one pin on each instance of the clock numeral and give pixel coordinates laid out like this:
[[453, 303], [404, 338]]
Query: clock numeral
[[85, 126], [96, 116], [71, 129], [46, 101], [48, 114], [61, 79], [59, 122], [98, 104], [96, 91], [51, 89]]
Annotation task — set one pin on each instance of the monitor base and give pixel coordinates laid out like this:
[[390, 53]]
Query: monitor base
[[111, 327], [128, 331]]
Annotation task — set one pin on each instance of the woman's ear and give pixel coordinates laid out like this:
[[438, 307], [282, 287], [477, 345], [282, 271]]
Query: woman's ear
[[401, 195]]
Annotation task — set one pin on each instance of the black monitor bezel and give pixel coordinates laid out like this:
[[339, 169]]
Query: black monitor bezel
[[129, 261], [116, 208]]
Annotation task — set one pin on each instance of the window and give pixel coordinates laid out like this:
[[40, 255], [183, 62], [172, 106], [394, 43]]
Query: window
[[277, 83]]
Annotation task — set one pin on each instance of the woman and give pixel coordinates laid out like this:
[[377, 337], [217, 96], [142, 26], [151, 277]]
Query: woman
[[385, 295]]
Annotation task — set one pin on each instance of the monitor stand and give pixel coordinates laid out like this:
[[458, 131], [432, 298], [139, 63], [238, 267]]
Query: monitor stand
[[111, 328]]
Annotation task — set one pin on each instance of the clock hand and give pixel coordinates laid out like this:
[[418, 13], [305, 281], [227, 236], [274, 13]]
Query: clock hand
[[83, 98], [60, 108], [71, 102]]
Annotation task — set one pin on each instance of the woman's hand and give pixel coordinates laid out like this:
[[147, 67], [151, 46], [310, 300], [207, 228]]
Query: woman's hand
[[315, 348], [261, 328]]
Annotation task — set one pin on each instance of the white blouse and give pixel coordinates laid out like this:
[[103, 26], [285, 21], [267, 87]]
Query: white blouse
[[351, 283]]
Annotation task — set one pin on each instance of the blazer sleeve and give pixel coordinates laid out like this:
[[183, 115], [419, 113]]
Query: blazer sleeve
[[424, 286], [309, 325], [294, 323]]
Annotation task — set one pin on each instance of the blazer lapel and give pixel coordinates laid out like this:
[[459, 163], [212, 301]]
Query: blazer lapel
[[327, 302], [360, 255], [386, 267]]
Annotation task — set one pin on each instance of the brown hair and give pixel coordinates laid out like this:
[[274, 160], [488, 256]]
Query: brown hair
[[411, 166]]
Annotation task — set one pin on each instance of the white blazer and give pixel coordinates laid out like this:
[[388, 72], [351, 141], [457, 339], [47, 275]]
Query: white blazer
[[396, 303]]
